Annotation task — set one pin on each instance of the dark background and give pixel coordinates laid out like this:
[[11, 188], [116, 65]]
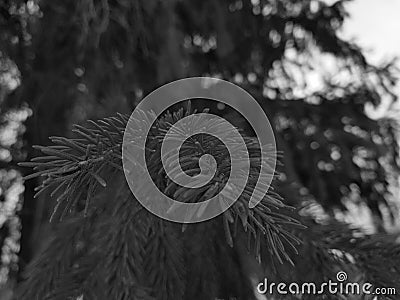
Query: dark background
[[63, 62]]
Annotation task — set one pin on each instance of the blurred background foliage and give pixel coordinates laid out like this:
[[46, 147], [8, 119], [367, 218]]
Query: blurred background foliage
[[64, 62]]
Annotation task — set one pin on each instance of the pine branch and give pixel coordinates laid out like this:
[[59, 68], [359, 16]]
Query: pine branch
[[71, 166], [122, 235], [332, 247], [58, 256], [203, 281], [265, 221], [137, 250], [164, 261], [76, 163]]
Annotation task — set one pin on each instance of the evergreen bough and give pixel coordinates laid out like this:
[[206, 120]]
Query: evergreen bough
[[105, 245], [140, 255]]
